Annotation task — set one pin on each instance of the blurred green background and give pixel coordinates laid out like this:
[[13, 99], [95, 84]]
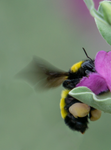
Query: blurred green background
[[55, 31]]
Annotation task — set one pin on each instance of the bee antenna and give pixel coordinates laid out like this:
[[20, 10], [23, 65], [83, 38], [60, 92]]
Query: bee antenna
[[86, 53]]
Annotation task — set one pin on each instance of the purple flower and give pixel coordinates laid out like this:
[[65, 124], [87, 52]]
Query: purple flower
[[100, 81]]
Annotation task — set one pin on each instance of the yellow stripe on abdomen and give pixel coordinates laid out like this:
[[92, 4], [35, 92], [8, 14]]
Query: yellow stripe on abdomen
[[64, 93], [62, 103]]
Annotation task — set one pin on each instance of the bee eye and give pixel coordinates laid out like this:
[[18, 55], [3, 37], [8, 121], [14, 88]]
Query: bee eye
[[88, 66]]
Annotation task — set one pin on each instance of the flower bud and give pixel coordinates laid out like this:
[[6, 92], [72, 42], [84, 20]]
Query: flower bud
[[106, 11]]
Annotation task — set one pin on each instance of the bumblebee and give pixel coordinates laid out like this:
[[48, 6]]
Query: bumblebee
[[74, 112]]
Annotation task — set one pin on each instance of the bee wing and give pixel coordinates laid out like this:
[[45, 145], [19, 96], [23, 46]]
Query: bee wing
[[40, 72]]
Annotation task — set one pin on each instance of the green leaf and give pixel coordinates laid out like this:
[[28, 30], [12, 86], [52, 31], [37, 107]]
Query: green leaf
[[96, 14], [102, 18], [106, 9], [89, 4], [85, 95], [105, 29]]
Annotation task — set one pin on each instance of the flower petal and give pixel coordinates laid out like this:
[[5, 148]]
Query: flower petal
[[94, 82], [103, 66]]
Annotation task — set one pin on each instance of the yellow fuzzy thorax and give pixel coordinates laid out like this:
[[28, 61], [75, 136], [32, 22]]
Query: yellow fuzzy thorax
[[76, 66], [62, 103]]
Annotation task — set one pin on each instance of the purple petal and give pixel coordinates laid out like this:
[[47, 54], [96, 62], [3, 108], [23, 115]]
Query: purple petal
[[94, 82], [103, 66]]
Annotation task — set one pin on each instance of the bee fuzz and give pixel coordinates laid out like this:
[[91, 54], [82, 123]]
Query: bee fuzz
[[79, 110], [95, 115]]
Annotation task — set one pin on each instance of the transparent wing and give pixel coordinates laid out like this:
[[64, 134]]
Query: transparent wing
[[42, 74]]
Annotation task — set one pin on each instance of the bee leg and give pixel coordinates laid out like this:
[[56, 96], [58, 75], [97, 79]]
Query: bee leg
[[87, 72], [79, 110]]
